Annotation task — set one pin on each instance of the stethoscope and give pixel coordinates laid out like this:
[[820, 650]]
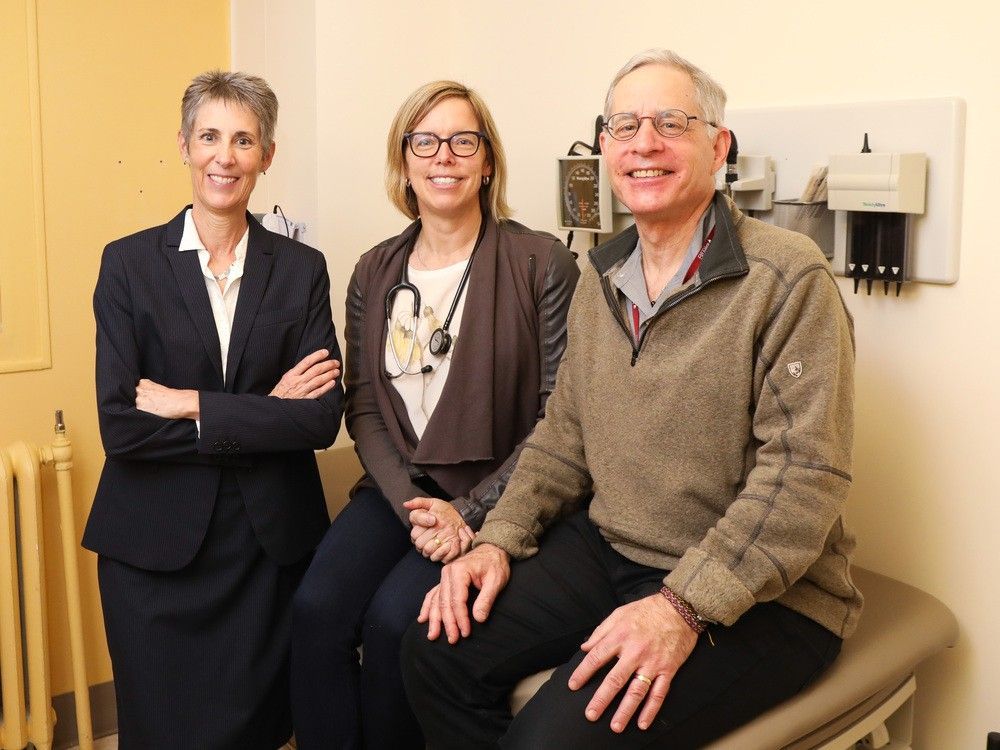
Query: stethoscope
[[441, 339]]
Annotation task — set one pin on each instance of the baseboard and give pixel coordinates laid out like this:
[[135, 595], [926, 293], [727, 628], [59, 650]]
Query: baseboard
[[103, 715]]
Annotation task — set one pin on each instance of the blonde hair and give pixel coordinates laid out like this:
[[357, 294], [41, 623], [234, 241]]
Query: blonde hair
[[492, 196], [233, 87]]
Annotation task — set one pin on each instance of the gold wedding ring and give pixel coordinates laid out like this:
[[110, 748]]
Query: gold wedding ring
[[437, 541], [643, 678]]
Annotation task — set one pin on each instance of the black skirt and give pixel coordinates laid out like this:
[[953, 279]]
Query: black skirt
[[200, 655]]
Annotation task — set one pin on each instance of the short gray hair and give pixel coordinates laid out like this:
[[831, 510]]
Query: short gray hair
[[710, 95], [235, 87]]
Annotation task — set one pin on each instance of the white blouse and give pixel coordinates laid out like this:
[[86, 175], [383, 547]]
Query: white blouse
[[223, 299]]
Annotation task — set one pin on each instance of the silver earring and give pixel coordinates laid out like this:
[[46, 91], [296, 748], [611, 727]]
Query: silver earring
[[486, 180]]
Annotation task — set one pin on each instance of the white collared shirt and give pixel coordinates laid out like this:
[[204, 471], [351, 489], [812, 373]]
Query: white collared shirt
[[223, 301]]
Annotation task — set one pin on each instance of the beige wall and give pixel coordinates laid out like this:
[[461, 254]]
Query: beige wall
[[924, 499], [111, 77], [277, 39]]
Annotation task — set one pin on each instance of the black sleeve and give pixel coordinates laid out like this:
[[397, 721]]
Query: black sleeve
[[266, 424], [126, 431]]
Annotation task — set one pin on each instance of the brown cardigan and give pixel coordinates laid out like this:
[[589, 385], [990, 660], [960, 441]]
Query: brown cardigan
[[502, 371]]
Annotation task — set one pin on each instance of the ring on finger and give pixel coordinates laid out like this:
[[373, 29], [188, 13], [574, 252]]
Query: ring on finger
[[437, 541], [643, 678]]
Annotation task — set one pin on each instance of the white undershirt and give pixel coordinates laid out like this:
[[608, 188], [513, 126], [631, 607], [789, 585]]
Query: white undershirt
[[421, 391], [223, 301]]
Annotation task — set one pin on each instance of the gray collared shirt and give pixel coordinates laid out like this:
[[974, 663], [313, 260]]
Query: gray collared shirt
[[631, 283]]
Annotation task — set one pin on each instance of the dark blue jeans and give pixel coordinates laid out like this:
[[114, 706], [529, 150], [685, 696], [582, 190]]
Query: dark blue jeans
[[364, 588]]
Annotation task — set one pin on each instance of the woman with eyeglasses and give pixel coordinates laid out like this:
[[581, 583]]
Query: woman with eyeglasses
[[455, 329]]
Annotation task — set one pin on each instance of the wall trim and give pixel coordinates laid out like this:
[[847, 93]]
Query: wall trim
[[24, 308]]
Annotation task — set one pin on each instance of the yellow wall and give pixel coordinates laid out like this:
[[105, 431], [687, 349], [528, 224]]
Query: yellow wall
[[111, 77]]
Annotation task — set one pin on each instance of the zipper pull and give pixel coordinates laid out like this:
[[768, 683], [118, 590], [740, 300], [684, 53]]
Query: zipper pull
[[635, 355]]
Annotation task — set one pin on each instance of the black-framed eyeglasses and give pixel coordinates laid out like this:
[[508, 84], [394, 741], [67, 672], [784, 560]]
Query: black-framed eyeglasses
[[669, 123], [426, 145]]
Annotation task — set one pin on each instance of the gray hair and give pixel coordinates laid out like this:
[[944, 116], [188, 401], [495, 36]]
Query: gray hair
[[710, 95], [235, 87]]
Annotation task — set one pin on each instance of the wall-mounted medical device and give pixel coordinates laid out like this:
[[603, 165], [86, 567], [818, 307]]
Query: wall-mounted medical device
[[878, 191], [879, 182], [277, 222], [753, 189], [801, 139], [584, 194]]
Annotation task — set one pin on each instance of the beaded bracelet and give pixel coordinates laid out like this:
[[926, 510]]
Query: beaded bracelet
[[684, 610]]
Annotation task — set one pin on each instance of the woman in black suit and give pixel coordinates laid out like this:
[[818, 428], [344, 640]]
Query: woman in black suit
[[217, 368]]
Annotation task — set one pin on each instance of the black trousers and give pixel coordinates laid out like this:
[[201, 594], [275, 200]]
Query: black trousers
[[550, 606], [364, 588]]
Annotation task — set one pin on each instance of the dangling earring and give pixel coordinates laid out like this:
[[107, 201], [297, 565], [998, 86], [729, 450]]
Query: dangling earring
[[486, 180]]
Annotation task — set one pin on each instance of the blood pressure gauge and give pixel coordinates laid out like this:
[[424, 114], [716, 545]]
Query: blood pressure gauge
[[584, 194], [581, 195]]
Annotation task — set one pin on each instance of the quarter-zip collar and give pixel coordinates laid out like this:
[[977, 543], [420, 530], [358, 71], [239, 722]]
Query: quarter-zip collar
[[724, 259]]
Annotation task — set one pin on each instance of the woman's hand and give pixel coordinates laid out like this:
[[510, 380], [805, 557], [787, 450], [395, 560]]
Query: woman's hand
[[169, 403], [439, 532], [310, 378]]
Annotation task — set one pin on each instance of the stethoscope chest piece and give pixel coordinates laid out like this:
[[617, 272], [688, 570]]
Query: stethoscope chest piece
[[439, 343], [441, 340]]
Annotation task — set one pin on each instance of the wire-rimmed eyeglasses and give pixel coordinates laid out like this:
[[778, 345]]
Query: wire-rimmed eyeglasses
[[669, 123], [426, 145]]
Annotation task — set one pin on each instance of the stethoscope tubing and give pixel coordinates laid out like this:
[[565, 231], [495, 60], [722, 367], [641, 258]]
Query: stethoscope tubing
[[404, 285]]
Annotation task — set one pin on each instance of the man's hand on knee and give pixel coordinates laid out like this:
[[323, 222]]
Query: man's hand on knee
[[487, 568], [650, 641]]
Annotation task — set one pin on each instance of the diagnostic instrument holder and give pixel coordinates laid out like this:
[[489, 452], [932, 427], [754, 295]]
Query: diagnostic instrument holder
[[879, 191]]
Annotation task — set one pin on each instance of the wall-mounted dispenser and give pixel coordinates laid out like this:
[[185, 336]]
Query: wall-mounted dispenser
[[879, 191]]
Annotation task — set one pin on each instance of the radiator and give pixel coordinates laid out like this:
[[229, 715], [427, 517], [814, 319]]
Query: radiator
[[26, 715]]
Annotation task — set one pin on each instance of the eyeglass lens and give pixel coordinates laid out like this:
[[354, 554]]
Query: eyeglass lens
[[465, 143], [669, 123]]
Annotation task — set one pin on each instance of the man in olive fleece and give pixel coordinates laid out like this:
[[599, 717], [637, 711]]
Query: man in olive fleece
[[704, 408]]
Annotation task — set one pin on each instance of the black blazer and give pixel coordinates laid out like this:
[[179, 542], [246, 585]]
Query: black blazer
[[154, 320]]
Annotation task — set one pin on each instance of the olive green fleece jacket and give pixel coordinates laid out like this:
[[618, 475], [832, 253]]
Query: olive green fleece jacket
[[719, 449]]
